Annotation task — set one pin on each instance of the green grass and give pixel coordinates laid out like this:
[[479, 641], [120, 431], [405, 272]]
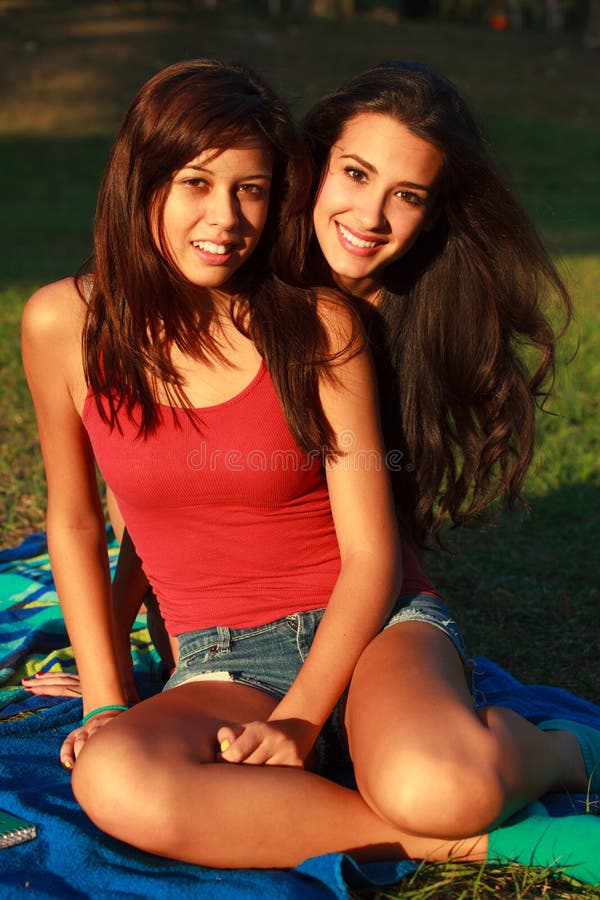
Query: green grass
[[456, 881], [525, 589]]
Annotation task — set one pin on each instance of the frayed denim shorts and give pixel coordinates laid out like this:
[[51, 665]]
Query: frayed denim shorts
[[268, 657]]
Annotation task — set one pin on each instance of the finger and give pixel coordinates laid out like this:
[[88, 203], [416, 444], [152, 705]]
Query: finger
[[53, 676], [67, 754], [260, 744], [53, 684], [81, 736], [52, 690], [241, 747], [265, 743], [268, 755], [260, 757], [226, 735], [80, 741]]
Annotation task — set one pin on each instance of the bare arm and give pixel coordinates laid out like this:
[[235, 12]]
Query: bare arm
[[128, 590], [51, 346], [369, 578], [129, 587]]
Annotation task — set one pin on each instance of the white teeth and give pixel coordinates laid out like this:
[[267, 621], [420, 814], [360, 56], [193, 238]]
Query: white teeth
[[209, 247], [352, 239]]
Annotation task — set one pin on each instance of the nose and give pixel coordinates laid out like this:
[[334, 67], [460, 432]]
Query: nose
[[222, 209], [370, 211]]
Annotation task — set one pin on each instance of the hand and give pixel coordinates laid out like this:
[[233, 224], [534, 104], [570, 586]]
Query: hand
[[53, 684], [65, 684], [282, 742], [75, 741]]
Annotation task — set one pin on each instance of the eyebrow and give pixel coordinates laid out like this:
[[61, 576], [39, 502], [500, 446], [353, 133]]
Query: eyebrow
[[371, 168], [198, 168]]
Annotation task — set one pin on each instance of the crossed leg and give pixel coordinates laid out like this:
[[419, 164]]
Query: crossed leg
[[223, 815], [424, 760]]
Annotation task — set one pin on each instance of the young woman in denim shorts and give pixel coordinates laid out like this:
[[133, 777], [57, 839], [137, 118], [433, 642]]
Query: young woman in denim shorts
[[407, 202]]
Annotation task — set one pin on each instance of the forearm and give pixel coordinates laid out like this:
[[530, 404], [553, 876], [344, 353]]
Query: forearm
[[80, 567], [363, 596], [129, 587], [363, 516]]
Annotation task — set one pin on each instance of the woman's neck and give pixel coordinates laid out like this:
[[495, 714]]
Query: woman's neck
[[365, 289]]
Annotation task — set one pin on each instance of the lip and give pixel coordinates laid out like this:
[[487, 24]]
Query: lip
[[352, 248], [214, 259]]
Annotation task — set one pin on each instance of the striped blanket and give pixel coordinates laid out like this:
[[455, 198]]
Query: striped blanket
[[33, 637]]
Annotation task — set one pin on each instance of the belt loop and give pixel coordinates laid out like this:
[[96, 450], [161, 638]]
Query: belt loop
[[224, 637]]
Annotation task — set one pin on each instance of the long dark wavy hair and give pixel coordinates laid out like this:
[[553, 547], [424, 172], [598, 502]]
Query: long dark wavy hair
[[139, 305], [458, 388]]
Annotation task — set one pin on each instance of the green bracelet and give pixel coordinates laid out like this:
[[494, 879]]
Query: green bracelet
[[100, 709]]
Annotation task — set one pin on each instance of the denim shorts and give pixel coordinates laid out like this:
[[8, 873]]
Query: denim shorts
[[269, 657]]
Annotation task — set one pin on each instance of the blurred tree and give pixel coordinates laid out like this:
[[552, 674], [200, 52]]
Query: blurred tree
[[515, 14], [333, 9], [554, 15], [414, 9], [591, 37]]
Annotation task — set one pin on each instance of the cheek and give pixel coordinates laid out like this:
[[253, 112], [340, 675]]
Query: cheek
[[408, 228], [155, 216], [329, 199], [322, 211], [264, 212], [256, 215]]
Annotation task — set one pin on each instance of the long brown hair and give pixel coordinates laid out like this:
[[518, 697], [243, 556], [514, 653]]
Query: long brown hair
[[458, 399], [140, 305]]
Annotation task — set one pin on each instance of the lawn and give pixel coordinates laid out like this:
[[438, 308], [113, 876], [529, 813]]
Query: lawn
[[524, 588]]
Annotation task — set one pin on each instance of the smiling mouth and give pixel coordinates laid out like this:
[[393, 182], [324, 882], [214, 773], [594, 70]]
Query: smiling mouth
[[214, 249], [351, 238]]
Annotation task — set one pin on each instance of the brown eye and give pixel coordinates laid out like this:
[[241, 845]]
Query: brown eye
[[355, 174], [410, 197]]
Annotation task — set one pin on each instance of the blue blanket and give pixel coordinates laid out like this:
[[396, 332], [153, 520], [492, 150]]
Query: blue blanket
[[72, 858]]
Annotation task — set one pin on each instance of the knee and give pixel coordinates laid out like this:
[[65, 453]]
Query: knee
[[131, 779], [107, 776], [436, 795]]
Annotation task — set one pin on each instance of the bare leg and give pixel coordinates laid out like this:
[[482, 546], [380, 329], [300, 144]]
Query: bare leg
[[223, 815], [424, 760]]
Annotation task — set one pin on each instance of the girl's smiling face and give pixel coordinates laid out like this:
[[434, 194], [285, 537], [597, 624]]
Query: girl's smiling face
[[376, 196], [215, 210]]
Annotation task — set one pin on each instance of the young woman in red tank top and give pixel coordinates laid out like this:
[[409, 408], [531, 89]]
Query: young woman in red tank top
[[234, 417]]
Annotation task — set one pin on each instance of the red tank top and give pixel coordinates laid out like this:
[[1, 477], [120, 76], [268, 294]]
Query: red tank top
[[230, 518]]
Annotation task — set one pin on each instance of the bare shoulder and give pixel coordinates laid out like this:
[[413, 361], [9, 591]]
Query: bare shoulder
[[54, 312], [342, 324], [51, 349]]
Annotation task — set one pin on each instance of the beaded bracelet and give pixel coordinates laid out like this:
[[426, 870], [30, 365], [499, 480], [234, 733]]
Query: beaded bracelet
[[100, 709]]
